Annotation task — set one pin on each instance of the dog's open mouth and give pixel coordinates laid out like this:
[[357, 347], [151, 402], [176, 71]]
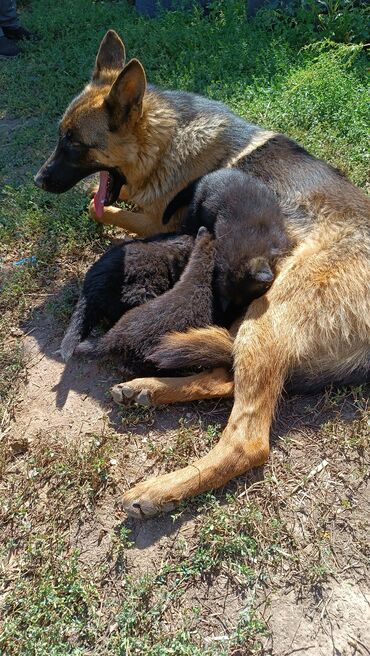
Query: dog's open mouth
[[110, 184]]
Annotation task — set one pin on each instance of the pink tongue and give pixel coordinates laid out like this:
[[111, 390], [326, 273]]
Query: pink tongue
[[100, 195]]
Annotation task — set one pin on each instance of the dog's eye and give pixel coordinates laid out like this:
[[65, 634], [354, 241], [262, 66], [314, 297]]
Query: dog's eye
[[71, 139]]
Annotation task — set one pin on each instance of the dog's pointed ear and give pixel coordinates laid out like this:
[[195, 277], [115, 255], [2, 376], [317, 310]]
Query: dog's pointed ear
[[125, 99], [261, 270], [111, 55]]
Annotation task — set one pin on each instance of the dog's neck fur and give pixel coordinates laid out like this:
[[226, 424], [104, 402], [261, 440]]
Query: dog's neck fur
[[144, 153], [163, 149]]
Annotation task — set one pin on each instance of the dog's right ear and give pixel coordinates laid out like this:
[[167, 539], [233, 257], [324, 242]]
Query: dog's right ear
[[125, 99], [111, 55]]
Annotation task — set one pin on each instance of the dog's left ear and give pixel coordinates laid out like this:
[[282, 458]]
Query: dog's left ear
[[125, 99], [261, 270], [111, 56]]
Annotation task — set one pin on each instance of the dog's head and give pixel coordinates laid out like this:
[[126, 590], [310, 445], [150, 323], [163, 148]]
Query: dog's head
[[98, 129]]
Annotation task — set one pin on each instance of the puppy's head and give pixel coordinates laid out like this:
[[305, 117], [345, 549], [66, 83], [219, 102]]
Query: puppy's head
[[247, 281]]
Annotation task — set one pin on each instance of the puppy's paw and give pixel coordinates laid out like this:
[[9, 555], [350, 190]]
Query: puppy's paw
[[67, 347], [87, 347]]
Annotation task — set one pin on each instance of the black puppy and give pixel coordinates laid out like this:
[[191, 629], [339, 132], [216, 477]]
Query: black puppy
[[246, 219], [127, 275], [190, 303]]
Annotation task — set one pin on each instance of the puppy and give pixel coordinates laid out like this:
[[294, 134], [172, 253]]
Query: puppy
[[190, 303], [127, 275], [245, 217]]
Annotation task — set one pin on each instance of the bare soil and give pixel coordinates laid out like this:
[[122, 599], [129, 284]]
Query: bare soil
[[317, 486]]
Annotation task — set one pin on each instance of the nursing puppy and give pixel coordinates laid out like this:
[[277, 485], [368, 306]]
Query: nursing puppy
[[245, 217], [190, 303], [127, 275]]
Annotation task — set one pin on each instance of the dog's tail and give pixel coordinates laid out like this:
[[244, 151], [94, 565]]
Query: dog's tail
[[184, 197], [200, 347], [77, 329]]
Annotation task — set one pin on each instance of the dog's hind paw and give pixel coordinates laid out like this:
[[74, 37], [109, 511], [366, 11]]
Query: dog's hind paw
[[127, 393]]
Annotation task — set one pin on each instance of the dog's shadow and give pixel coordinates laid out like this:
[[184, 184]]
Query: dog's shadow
[[87, 376]]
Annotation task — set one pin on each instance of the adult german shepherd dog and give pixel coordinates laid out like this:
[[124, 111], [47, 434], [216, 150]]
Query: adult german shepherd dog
[[312, 326]]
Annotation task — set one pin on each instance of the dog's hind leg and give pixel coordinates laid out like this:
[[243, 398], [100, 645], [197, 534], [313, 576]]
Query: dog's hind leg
[[159, 391], [244, 442], [315, 318]]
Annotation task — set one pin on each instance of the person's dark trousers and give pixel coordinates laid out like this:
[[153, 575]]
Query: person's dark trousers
[[151, 8], [8, 15]]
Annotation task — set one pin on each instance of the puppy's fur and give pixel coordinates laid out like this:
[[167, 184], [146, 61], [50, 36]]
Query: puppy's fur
[[127, 275], [190, 303], [248, 225]]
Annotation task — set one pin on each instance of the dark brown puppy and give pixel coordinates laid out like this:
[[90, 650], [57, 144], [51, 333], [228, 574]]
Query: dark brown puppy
[[127, 275], [190, 303], [246, 219]]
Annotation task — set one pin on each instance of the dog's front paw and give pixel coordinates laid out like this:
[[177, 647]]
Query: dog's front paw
[[148, 499]]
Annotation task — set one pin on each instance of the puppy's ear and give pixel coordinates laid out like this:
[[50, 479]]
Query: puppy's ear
[[111, 56], [261, 270], [125, 99]]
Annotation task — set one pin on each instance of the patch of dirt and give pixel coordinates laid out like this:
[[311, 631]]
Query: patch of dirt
[[311, 499], [69, 401], [338, 625]]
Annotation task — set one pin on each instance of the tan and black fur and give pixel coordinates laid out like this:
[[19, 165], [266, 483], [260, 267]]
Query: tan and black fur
[[314, 322]]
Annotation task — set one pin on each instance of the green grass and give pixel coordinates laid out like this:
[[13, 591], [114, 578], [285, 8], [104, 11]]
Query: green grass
[[302, 71], [51, 610], [224, 542]]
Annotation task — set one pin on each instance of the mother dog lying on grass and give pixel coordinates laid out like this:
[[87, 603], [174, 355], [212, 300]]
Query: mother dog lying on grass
[[313, 325]]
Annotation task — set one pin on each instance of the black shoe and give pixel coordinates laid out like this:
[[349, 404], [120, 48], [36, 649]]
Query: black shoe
[[20, 34], [8, 48]]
